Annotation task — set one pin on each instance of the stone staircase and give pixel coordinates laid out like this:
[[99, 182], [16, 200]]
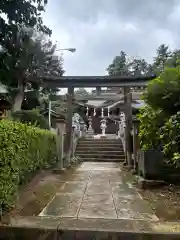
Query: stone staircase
[[100, 150]]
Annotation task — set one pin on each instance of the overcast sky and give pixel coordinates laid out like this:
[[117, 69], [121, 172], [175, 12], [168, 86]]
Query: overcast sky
[[100, 29]]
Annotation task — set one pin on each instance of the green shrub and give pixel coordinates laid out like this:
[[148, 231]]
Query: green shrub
[[151, 121], [23, 150], [160, 132], [163, 92], [32, 117], [170, 138]]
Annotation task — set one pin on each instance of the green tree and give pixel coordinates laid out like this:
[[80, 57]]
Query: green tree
[[124, 66], [163, 92], [151, 121], [173, 60], [32, 55], [138, 67], [81, 92], [15, 14], [163, 54], [119, 66]]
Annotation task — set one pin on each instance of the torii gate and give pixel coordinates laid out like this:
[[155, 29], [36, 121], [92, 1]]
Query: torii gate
[[72, 82]]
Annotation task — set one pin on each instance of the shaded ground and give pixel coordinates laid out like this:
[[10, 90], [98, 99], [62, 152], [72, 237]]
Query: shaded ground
[[100, 191], [164, 201]]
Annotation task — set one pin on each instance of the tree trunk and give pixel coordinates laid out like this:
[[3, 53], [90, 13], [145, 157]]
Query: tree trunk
[[18, 97]]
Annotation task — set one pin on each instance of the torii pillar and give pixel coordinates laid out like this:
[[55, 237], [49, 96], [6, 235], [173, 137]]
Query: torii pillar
[[128, 120]]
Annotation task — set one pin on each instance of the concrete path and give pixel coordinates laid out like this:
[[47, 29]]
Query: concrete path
[[98, 191]]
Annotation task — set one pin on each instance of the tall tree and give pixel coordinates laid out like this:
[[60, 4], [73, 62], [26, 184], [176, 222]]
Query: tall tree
[[119, 66], [81, 92], [173, 60], [124, 66], [163, 53], [18, 13], [31, 55], [138, 67]]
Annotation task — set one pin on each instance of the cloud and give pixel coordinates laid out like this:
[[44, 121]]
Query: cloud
[[99, 30]]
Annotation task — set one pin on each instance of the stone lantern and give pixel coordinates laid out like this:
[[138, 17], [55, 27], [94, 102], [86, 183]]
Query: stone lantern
[[103, 127]]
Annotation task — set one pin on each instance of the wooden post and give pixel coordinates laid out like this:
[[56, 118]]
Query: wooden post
[[135, 144], [68, 138], [126, 91], [128, 116], [129, 128]]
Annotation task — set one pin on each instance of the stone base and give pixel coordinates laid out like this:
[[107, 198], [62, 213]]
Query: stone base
[[143, 183]]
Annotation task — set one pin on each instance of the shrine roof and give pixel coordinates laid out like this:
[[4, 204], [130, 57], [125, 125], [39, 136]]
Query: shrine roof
[[113, 97]]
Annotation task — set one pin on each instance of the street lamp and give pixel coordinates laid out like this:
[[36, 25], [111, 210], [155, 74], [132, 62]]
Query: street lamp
[[67, 49], [49, 110]]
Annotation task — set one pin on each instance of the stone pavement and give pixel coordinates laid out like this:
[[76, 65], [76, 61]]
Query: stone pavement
[[98, 191]]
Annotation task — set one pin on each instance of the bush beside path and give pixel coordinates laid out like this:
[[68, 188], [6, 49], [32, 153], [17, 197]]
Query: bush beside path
[[23, 151]]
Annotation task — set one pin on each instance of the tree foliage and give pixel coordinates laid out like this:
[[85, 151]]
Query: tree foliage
[[164, 91], [122, 65], [119, 66], [32, 55], [81, 92], [15, 14], [160, 118], [150, 123], [163, 54]]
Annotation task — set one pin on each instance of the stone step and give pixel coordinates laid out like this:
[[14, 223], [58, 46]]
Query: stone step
[[90, 159], [100, 145], [100, 153], [102, 159], [100, 141], [99, 148], [90, 228]]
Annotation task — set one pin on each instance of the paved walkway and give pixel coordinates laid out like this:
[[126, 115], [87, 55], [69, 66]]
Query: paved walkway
[[98, 190]]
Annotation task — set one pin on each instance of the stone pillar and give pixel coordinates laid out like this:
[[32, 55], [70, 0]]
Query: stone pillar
[[73, 141], [94, 112], [87, 111], [84, 130], [60, 124], [68, 139], [102, 112], [81, 129], [90, 131], [98, 91], [119, 130]]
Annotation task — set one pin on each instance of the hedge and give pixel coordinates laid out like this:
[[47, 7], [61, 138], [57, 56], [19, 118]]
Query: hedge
[[23, 150]]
